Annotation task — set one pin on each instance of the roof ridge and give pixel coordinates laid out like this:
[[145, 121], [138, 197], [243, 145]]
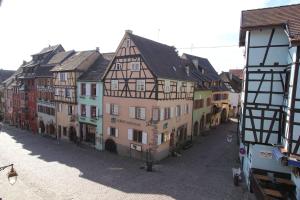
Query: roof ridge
[[159, 43], [273, 7]]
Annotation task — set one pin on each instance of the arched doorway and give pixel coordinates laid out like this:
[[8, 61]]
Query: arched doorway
[[223, 115], [196, 128], [110, 146], [72, 134], [42, 126], [51, 129]]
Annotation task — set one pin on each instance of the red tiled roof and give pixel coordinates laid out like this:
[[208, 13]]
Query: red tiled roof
[[286, 16]]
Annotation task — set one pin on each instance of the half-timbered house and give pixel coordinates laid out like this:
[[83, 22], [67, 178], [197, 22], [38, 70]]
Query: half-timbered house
[[27, 88], [46, 109], [202, 105], [219, 96], [148, 98], [65, 92], [270, 117], [90, 99], [234, 86]]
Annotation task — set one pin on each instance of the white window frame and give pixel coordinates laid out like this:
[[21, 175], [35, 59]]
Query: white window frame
[[114, 85], [135, 66], [140, 85], [62, 76], [114, 109], [68, 90], [140, 113]]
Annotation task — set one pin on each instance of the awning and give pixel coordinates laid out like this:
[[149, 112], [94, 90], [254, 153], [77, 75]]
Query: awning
[[277, 153], [293, 163]]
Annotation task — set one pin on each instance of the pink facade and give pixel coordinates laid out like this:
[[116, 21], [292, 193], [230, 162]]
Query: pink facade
[[160, 137]]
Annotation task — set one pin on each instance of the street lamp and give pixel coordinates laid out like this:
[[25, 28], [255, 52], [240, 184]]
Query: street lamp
[[11, 175]]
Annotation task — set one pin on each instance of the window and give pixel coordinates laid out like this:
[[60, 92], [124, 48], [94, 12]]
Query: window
[[140, 85], [113, 131], [167, 113], [70, 110], [135, 66], [67, 92], [118, 66], [178, 110], [83, 110], [137, 136], [62, 76], [137, 113], [140, 113], [56, 91], [167, 87], [224, 96], [83, 89], [162, 138], [199, 103], [114, 109], [93, 111], [208, 101], [155, 114], [93, 89], [114, 84]]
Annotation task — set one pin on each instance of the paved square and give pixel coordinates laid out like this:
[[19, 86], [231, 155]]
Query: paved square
[[49, 171]]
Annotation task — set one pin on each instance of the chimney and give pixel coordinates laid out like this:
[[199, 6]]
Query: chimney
[[128, 31]]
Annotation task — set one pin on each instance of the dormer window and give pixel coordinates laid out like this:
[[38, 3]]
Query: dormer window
[[135, 66], [195, 62], [187, 70]]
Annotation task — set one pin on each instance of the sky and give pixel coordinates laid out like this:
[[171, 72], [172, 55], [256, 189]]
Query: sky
[[28, 26]]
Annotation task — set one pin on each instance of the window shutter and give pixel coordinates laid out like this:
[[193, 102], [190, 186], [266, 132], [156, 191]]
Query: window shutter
[[176, 111], [66, 76], [143, 113], [172, 112], [130, 134], [162, 114], [88, 111], [88, 89], [108, 130], [155, 114], [131, 112], [117, 132], [108, 108], [159, 139], [182, 110], [71, 92], [144, 139], [79, 109], [97, 89]]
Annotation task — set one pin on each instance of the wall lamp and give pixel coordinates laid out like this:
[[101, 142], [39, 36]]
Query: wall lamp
[[11, 175]]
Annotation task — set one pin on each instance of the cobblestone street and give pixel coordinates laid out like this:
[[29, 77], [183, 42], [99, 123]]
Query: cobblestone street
[[48, 170]]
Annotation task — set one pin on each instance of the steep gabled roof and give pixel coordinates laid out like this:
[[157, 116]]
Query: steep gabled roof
[[163, 60], [96, 70], [60, 57], [232, 82], [285, 16], [73, 61], [48, 49]]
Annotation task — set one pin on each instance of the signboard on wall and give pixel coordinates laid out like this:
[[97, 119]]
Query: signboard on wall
[[266, 154]]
